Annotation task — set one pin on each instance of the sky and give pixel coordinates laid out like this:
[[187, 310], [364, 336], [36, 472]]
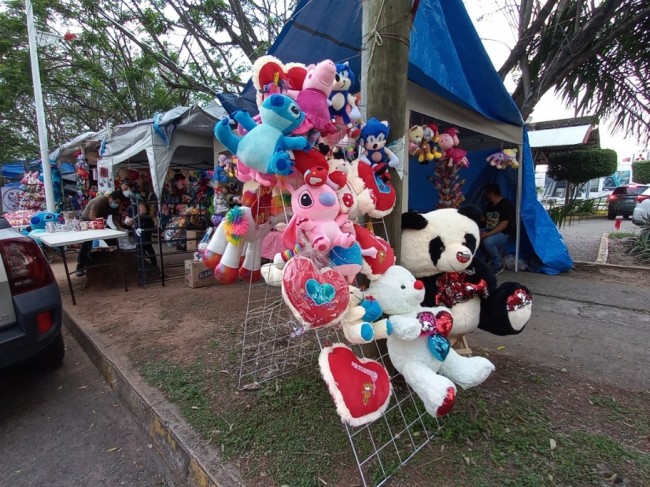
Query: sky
[[498, 39]]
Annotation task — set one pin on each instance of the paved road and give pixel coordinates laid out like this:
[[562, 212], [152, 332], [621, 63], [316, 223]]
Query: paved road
[[66, 428], [583, 237]]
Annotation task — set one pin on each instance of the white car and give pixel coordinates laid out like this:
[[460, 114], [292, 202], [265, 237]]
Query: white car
[[641, 212], [30, 302]]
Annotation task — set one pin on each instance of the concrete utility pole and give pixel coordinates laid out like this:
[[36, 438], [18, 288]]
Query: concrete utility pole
[[40, 111], [386, 38]]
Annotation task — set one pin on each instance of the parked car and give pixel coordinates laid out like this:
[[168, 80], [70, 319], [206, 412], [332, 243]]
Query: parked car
[[623, 200], [30, 302], [641, 213]]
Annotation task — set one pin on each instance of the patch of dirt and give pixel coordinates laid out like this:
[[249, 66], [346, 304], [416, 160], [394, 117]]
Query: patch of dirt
[[182, 325], [618, 254]]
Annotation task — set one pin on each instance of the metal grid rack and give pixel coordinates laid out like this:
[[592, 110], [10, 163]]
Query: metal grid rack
[[273, 346]]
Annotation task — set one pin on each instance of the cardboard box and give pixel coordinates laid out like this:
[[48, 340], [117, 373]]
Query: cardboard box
[[197, 275], [193, 237]]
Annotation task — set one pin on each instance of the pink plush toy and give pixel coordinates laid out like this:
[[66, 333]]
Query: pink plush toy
[[317, 215], [313, 98]]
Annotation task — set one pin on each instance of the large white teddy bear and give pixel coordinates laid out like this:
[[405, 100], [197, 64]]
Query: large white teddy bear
[[418, 345]]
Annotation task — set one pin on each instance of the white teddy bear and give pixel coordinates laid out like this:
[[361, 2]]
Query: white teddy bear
[[418, 345], [363, 322]]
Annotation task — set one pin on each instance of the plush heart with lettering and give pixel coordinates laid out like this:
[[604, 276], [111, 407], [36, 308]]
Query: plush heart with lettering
[[270, 75], [360, 387], [317, 297]]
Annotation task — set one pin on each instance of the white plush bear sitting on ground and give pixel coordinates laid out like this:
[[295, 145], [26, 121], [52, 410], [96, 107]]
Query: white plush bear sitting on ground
[[418, 346]]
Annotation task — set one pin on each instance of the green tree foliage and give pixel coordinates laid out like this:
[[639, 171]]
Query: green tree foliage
[[579, 166], [595, 55], [130, 60], [641, 172]]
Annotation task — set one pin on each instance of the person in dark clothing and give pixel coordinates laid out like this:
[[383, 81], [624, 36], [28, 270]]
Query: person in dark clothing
[[100, 206], [499, 226], [143, 226]]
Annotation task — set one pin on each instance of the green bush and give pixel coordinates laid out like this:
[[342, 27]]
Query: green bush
[[641, 172], [581, 165]]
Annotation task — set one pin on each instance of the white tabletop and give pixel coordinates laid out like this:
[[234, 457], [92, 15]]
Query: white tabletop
[[59, 239]]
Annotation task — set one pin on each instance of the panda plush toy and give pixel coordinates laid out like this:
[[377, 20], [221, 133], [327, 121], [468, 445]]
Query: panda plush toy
[[438, 248]]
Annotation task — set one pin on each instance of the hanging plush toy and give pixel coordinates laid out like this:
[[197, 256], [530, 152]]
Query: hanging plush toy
[[313, 96], [342, 103], [447, 180], [373, 139], [502, 160], [364, 320], [416, 133], [263, 150], [317, 216]]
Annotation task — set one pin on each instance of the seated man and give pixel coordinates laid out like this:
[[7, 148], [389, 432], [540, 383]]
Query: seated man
[[499, 226], [100, 206]]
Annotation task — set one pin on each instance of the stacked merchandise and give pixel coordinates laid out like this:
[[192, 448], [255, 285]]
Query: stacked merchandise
[[33, 193]]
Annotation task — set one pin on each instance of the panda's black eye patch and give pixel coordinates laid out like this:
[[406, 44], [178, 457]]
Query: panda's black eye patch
[[470, 242], [436, 248]]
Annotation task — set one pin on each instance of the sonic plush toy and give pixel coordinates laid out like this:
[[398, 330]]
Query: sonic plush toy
[[374, 136]]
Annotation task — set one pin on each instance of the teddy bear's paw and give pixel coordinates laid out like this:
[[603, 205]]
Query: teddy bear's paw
[[520, 307], [448, 403], [470, 372], [382, 329], [405, 327], [359, 333]]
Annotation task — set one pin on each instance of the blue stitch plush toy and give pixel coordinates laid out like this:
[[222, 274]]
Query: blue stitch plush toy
[[264, 147], [374, 136]]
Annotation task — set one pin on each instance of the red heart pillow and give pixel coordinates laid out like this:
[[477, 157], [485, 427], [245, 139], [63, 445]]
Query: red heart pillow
[[317, 297], [360, 387]]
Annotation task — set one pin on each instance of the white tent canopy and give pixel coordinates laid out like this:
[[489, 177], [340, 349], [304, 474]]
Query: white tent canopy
[[181, 137]]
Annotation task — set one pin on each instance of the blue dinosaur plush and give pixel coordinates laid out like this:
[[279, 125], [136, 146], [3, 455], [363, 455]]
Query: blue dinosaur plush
[[374, 136], [264, 147]]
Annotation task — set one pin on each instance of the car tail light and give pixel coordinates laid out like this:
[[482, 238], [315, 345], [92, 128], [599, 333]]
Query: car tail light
[[642, 197], [44, 322], [612, 197], [26, 266]]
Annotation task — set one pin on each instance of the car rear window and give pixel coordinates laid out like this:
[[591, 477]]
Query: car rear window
[[634, 190]]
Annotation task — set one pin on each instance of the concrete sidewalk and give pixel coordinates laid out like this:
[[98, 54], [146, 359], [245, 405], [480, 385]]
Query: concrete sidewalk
[[590, 326], [595, 328]]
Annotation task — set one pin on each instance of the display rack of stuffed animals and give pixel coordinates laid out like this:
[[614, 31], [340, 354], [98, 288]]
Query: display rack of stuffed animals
[[32, 197], [416, 308]]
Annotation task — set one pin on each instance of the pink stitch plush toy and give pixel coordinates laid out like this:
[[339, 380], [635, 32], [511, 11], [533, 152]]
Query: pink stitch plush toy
[[317, 215]]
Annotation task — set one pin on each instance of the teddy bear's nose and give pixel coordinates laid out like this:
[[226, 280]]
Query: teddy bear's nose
[[463, 257], [418, 284]]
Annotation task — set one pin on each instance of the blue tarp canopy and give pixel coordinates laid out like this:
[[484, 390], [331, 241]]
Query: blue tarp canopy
[[450, 79]]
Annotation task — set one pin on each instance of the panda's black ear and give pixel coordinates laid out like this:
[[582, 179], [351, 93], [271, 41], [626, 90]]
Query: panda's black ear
[[413, 221], [472, 212]]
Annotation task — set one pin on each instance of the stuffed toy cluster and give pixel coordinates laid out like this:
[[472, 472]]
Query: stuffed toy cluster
[[503, 159], [320, 202]]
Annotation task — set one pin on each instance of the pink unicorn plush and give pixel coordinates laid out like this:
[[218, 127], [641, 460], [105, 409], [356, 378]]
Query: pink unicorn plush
[[317, 215]]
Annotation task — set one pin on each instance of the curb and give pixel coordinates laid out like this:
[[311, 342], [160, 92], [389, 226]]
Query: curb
[[602, 267], [174, 439]]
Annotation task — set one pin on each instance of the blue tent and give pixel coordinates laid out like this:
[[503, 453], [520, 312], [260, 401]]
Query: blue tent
[[450, 79]]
